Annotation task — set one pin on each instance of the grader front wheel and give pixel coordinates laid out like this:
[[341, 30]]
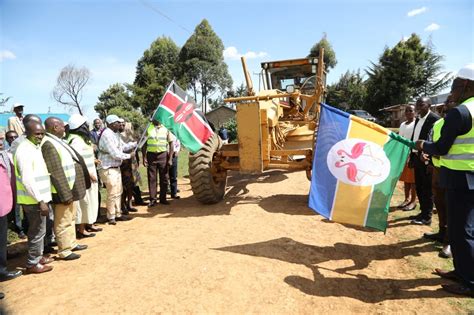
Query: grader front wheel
[[208, 184]]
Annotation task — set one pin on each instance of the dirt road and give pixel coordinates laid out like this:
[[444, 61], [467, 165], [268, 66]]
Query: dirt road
[[262, 250]]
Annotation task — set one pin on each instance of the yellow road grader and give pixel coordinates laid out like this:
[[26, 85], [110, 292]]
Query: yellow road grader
[[276, 127]]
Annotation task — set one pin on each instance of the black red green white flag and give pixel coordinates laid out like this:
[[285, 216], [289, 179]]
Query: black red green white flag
[[177, 113]]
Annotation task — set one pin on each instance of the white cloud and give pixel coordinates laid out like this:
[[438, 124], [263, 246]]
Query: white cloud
[[432, 27], [232, 53], [416, 11], [6, 54]]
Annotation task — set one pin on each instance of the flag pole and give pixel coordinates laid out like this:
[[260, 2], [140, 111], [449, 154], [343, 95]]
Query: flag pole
[[142, 140]]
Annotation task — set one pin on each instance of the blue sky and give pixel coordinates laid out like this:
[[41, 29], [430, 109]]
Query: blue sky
[[40, 37]]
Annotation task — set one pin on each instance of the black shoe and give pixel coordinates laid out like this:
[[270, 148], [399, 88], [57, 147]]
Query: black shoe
[[123, 218], [72, 256], [9, 275], [459, 289], [79, 247], [112, 222], [421, 221], [438, 237], [152, 204], [165, 202], [81, 235], [49, 250], [175, 197]]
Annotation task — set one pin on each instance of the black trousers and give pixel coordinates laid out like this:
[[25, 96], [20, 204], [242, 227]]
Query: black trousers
[[3, 244], [173, 174], [423, 183], [157, 166], [461, 232]]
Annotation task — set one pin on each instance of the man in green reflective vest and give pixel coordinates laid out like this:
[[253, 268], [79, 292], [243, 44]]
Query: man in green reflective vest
[[456, 150], [157, 153]]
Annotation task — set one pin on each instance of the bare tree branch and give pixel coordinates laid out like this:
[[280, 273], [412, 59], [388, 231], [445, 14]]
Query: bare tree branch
[[69, 86]]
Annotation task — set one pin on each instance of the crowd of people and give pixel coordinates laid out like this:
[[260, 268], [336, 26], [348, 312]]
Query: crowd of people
[[51, 173], [440, 172]]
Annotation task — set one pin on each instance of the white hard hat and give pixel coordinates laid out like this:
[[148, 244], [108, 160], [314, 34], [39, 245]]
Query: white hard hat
[[466, 72], [76, 120]]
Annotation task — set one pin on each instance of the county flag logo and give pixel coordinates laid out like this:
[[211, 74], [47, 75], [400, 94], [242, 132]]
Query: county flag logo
[[356, 167], [178, 114], [358, 162]]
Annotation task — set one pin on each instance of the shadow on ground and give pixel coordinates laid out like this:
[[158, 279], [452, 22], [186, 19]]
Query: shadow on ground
[[237, 193], [357, 286]]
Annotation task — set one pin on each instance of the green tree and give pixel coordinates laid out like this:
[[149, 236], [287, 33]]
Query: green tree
[[155, 70], [231, 127], [116, 100], [202, 63], [115, 96], [403, 73], [349, 92], [330, 60]]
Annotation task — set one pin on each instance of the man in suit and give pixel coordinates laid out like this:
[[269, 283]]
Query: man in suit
[[69, 182], [456, 157], [423, 177]]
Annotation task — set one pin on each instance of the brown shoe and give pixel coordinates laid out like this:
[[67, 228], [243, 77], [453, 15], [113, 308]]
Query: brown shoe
[[46, 259], [446, 274], [39, 268]]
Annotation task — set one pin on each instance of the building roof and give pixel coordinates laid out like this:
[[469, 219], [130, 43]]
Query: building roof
[[221, 107]]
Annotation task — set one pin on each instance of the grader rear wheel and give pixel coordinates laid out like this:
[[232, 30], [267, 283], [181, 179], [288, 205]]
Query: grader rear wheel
[[208, 184]]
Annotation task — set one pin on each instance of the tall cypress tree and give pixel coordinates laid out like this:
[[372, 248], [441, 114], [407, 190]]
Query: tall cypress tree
[[202, 63]]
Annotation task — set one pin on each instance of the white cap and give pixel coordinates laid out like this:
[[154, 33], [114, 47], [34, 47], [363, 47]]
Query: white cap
[[112, 118], [76, 120], [18, 105], [466, 72]]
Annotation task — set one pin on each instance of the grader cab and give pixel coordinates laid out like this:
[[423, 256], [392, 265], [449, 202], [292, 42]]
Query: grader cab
[[276, 127]]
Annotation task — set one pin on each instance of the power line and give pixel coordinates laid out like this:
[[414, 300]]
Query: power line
[[152, 7]]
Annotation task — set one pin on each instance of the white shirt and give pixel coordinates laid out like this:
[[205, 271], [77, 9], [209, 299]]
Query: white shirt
[[111, 149], [419, 125], [406, 129]]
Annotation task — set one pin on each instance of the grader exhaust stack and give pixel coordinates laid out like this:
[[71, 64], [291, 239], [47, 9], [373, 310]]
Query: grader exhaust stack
[[276, 127]]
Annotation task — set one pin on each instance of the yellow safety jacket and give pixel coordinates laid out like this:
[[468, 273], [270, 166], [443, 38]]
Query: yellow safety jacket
[[85, 150], [66, 162], [157, 139], [460, 156], [436, 135], [41, 177]]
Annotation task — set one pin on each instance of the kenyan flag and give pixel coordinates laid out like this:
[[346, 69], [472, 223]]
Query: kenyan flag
[[176, 112]]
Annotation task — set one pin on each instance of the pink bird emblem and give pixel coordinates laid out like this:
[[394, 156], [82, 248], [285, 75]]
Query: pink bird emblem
[[353, 173]]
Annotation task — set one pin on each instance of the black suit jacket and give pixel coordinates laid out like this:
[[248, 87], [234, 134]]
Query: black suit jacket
[[427, 126]]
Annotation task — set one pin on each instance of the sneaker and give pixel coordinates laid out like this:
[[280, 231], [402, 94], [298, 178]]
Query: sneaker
[[421, 221]]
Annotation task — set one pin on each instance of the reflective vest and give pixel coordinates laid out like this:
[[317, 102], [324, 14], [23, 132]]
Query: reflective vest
[[85, 150], [460, 156], [436, 135], [157, 139], [66, 162], [41, 176]]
